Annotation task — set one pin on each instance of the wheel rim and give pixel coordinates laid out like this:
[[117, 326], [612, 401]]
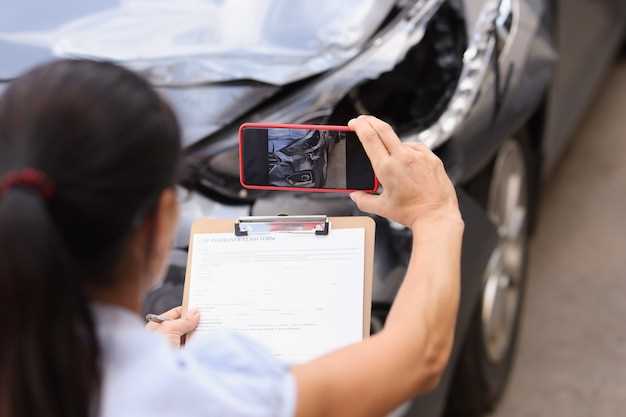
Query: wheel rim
[[507, 209]]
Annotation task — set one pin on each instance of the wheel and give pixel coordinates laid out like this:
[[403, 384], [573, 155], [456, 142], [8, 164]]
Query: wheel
[[487, 356]]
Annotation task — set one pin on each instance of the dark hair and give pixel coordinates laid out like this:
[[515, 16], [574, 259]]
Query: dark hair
[[110, 145]]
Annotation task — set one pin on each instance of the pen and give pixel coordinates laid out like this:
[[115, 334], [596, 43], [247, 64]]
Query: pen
[[155, 318]]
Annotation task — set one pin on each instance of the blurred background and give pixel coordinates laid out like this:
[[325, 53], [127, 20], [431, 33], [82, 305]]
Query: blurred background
[[522, 100]]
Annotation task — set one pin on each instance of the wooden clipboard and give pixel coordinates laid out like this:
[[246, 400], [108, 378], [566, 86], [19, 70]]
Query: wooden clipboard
[[314, 224]]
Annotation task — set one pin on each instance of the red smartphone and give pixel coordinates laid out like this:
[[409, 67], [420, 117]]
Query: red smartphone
[[311, 158]]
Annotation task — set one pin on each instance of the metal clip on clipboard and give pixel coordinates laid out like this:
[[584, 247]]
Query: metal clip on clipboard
[[254, 225]]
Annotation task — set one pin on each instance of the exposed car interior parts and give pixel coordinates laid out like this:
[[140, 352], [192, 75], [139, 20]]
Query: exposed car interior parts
[[416, 92]]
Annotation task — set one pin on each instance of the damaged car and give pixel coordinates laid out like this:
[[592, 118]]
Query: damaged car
[[495, 87], [298, 158]]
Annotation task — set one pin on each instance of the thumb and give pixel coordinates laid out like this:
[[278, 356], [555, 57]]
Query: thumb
[[185, 324], [365, 201]]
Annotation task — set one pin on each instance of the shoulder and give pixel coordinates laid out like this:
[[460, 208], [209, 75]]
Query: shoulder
[[218, 374]]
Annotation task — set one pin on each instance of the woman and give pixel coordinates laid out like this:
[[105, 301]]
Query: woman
[[89, 155]]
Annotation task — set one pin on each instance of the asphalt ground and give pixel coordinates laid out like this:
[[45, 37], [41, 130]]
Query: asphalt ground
[[572, 352]]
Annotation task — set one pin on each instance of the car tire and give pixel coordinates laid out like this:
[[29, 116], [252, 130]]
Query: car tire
[[486, 361]]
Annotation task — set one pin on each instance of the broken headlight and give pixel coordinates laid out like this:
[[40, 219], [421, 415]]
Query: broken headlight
[[322, 98]]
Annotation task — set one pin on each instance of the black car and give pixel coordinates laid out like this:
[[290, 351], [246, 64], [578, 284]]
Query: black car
[[495, 87]]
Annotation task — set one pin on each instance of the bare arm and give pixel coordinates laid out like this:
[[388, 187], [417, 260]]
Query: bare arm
[[408, 356]]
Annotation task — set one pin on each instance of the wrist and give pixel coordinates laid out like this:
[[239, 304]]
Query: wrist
[[448, 217]]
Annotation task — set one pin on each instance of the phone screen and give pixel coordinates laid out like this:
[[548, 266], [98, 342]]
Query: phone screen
[[304, 158]]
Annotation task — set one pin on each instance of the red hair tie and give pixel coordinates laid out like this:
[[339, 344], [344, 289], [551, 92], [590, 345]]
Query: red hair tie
[[28, 178]]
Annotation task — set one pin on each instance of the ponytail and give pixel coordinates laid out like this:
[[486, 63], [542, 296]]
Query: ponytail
[[49, 352], [109, 146]]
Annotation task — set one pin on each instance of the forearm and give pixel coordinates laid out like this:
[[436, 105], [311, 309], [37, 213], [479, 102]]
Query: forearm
[[421, 320]]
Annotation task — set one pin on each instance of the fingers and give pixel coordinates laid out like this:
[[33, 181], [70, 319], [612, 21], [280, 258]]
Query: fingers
[[183, 325], [177, 325], [373, 145], [152, 325], [385, 132], [366, 202]]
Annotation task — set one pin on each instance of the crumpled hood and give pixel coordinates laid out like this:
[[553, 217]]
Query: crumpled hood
[[192, 42], [204, 109]]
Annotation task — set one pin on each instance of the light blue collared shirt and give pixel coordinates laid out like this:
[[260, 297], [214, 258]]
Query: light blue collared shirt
[[219, 375]]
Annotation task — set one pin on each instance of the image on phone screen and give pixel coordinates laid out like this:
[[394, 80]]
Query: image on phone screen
[[305, 158]]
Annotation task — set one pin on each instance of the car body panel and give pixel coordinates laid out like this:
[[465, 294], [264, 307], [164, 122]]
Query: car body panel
[[315, 99], [525, 64], [197, 42], [589, 35], [211, 73]]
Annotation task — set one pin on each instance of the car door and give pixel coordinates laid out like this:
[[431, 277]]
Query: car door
[[589, 34]]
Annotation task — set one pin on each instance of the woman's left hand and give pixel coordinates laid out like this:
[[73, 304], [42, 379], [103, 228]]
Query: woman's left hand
[[177, 325]]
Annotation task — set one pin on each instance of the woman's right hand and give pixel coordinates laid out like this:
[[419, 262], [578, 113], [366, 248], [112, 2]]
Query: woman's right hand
[[177, 324], [415, 183]]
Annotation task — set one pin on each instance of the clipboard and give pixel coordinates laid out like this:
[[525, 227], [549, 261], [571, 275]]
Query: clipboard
[[318, 225]]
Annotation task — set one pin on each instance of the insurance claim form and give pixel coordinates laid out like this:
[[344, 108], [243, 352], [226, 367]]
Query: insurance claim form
[[300, 295]]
